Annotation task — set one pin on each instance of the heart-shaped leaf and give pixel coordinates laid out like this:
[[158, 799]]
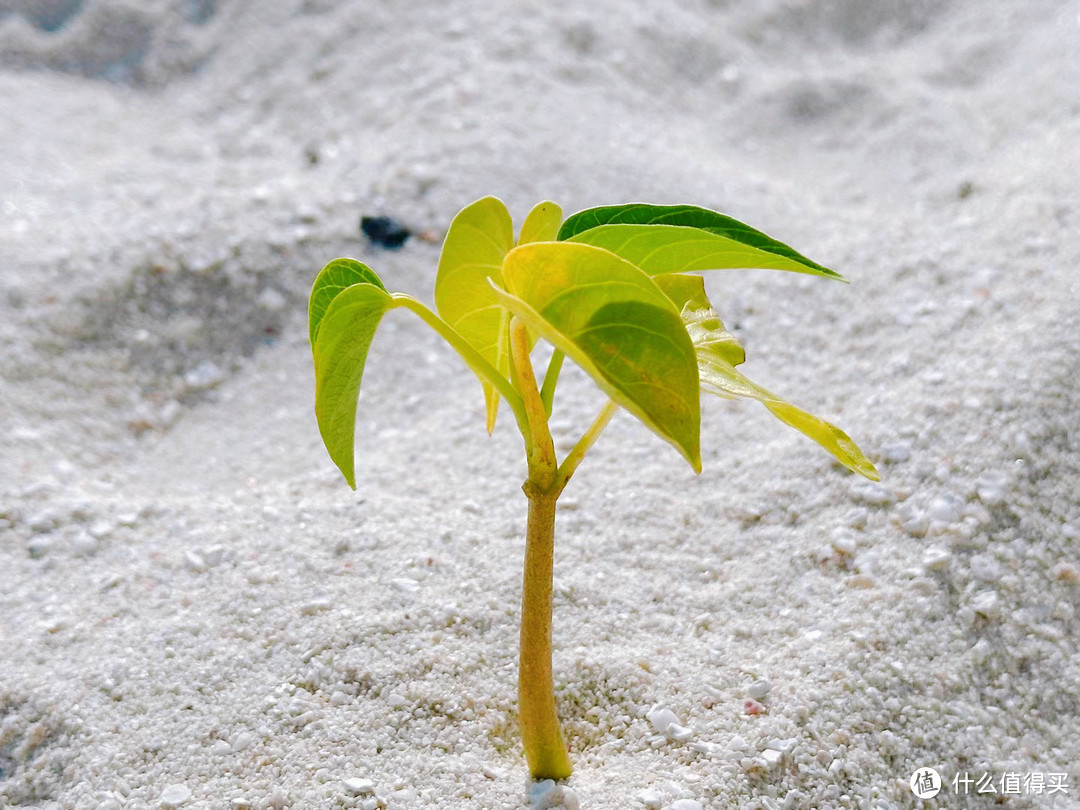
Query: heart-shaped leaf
[[340, 351], [478, 240], [614, 322], [332, 279], [681, 238], [542, 223]]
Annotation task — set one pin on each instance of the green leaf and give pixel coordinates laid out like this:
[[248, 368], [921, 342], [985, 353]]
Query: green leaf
[[478, 240], [614, 322], [720, 377], [332, 279], [340, 351], [706, 330], [542, 223], [681, 238]]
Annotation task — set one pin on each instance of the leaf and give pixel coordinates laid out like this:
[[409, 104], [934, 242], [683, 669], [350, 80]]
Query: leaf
[[542, 223], [614, 322], [478, 240], [340, 351], [720, 377], [706, 330], [681, 238], [332, 279]]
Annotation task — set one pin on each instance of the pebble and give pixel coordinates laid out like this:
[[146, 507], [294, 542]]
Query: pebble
[[944, 510], [897, 452], [359, 786], [650, 798], [987, 604], [194, 561], [686, 804], [1066, 572], [405, 584], [759, 689], [545, 794], [990, 489], [175, 795], [753, 707], [316, 605], [205, 375], [935, 558], [84, 544], [986, 568], [664, 721], [872, 493]]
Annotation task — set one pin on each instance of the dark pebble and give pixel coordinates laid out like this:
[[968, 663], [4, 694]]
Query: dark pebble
[[384, 231]]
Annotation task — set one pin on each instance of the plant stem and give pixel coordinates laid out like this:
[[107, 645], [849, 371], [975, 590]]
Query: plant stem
[[588, 438], [539, 722], [551, 377], [540, 731], [538, 444]]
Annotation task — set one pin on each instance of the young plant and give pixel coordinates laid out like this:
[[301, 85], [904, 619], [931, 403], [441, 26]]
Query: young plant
[[612, 289]]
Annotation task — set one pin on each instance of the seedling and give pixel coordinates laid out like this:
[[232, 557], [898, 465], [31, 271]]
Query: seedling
[[612, 289]]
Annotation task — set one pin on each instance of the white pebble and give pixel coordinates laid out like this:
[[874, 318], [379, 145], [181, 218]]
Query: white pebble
[[897, 452], [872, 493], [991, 489], [758, 689], [204, 375], [678, 733], [986, 568], [661, 718], [84, 544], [650, 798], [319, 603], [175, 795], [405, 584], [686, 804], [359, 786], [987, 604], [943, 510], [545, 794], [194, 561], [935, 558], [395, 700], [771, 757]]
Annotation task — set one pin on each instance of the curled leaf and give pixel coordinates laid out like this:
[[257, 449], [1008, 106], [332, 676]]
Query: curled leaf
[[720, 377]]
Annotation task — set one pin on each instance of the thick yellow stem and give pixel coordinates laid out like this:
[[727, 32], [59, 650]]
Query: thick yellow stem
[[540, 731]]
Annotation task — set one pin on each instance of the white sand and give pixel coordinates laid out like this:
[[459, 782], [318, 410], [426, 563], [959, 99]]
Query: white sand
[[196, 611]]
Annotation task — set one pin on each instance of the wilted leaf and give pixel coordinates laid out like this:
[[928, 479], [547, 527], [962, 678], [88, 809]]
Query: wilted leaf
[[721, 378], [706, 330]]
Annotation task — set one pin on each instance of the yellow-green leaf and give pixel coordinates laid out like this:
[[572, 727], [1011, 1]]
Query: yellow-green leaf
[[340, 351], [721, 378], [680, 238], [542, 223], [614, 322], [707, 332], [478, 240], [332, 279]]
